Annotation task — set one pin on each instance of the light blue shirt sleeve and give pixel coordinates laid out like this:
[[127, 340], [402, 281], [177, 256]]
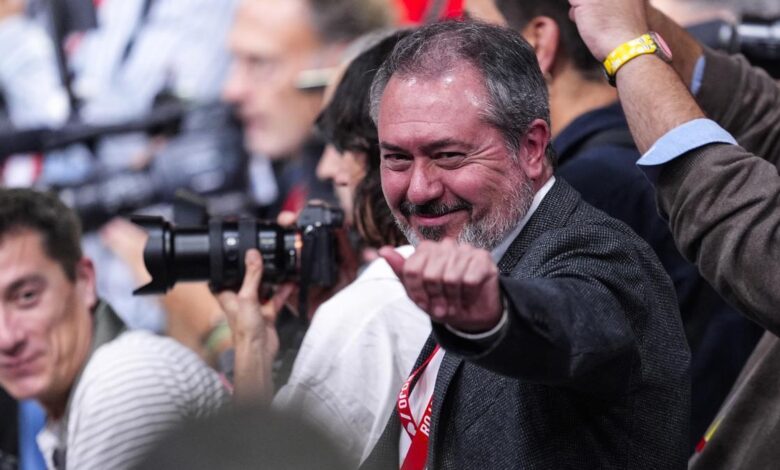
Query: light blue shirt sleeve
[[698, 75], [680, 140]]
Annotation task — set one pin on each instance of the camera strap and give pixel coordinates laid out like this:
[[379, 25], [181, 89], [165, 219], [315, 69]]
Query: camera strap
[[307, 265]]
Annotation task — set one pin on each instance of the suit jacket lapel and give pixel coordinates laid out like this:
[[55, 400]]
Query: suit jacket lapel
[[385, 453], [447, 370]]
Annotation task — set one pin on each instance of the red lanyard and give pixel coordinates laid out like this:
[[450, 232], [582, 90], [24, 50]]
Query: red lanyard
[[418, 432]]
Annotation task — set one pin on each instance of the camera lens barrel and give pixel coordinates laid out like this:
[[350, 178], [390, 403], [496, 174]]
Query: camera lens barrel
[[216, 253]]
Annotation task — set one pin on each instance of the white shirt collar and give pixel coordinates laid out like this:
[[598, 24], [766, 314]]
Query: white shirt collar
[[498, 252]]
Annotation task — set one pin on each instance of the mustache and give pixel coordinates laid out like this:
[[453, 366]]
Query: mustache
[[433, 208]]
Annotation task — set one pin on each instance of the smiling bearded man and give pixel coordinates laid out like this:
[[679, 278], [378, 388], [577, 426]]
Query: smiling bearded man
[[562, 346]]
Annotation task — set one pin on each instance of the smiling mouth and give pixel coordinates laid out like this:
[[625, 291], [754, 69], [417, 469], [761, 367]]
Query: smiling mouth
[[434, 219], [433, 209], [18, 364]]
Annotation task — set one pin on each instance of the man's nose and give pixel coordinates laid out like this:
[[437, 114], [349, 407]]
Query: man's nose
[[235, 84], [425, 184], [11, 337]]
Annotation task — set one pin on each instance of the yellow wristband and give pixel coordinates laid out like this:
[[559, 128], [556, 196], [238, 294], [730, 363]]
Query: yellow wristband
[[649, 43]]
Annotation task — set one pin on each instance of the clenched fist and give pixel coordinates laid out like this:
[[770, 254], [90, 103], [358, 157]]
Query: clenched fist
[[455, 284]]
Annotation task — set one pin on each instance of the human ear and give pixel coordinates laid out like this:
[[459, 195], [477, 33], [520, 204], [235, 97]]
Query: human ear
[[543, 33], [85, 282], [533, 155]]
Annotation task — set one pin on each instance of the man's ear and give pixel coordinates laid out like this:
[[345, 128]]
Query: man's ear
[[543, 34], [85, 282], [533, 155]]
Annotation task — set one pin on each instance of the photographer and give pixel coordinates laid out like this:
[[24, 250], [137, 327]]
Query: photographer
[[335, 381], [719, 187]]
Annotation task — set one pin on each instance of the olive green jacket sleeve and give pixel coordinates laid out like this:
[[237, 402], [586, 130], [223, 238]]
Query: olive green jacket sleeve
[[723, 201]]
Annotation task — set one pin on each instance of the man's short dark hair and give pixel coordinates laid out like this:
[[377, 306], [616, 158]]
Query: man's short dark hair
[[43, 213], [519, 13], [517, 93], [344, 20]]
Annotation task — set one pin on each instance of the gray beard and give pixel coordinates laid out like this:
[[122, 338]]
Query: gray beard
[[488, 232]]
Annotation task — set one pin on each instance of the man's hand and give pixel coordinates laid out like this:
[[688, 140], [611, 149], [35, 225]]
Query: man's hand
[[254, 331], [455, 284], [606, 24]]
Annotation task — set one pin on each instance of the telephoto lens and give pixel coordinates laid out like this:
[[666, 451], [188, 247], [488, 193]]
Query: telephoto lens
[[216, 252]]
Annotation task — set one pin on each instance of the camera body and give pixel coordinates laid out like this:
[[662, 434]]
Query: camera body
[[306, 254]]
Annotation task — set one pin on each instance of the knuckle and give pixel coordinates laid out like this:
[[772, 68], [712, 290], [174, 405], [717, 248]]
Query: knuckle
[[451, 280]]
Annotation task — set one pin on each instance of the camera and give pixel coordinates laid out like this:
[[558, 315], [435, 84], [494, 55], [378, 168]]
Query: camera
[[306, 253], [755, 37]]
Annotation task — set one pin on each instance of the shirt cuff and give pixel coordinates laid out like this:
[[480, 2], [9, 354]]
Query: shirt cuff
[[698, 75], [483, 335], [681, 140]]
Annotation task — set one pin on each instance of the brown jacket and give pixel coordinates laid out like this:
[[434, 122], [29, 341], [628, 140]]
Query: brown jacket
[[723, 204]]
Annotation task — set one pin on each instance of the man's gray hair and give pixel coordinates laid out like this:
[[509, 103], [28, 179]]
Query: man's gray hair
[[517, 93], [345, 20]]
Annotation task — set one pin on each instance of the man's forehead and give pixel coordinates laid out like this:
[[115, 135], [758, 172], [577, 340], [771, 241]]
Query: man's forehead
[[21, 254], [273, 27], [459, 89]]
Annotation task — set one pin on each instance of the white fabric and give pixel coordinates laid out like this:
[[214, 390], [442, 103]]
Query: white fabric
[[182, 44], [359, 349], [28, 75], [132, 390], [420, 399]]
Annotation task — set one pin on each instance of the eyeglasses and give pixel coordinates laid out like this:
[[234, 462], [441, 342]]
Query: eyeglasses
[[315, 79]]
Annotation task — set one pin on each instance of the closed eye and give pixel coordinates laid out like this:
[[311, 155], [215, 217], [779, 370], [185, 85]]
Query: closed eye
[[395, 156], [450, 155]]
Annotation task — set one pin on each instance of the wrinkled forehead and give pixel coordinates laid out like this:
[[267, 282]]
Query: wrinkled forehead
[[457, 92]]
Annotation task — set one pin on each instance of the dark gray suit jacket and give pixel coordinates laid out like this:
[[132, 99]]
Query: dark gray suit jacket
[[591, 371]]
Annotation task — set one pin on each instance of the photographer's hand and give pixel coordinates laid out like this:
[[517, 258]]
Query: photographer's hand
[[254, 332], [348, 267], [455, 284]]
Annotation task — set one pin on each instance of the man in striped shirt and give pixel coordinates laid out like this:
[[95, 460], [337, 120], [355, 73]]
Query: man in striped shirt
[[108, 393]]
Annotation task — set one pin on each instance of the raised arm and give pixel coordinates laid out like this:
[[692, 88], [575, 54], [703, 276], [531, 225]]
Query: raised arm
[[722, 200]]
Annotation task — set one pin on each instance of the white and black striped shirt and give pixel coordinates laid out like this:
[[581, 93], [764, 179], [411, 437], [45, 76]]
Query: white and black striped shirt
[[132, 390]]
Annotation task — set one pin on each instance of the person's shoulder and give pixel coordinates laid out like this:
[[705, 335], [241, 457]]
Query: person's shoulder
[[375, 287], [139, 346], [140, 362]]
